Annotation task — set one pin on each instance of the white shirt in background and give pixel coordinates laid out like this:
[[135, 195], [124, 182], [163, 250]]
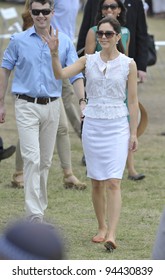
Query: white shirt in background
[[65, 16]]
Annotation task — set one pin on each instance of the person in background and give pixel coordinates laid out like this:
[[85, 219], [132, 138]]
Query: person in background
[[62, 138], [107, 134], [88, 20], [65, 17], [37, 104], [65, 21], [22, 240], [89, 14], [114, 8], [136, 24], [6, 153]]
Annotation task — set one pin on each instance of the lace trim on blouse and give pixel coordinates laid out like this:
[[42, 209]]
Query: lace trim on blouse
[[106, 86]]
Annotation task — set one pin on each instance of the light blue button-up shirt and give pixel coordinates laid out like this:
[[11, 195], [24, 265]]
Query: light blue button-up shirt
[[30, 56]]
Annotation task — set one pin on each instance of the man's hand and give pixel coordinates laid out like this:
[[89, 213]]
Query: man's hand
[[141, 76]]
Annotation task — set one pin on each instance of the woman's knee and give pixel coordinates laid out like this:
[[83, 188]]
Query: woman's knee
[[113, 184], [98, 184]]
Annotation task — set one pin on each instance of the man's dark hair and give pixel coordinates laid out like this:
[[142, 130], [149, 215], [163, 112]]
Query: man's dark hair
[[43, 2]]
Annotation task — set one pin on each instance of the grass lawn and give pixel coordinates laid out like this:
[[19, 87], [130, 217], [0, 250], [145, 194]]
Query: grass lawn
[[72, 211]]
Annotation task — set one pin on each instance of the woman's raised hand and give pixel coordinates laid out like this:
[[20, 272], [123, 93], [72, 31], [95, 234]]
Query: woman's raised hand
[[52, 40]]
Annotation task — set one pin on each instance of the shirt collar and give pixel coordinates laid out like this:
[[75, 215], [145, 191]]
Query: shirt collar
[[32, 30]]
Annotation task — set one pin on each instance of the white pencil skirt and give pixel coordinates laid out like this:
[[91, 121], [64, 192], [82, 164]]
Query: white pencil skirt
[[105, 144]]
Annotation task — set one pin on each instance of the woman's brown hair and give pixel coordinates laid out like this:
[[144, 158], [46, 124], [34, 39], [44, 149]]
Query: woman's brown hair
[[117, 28]]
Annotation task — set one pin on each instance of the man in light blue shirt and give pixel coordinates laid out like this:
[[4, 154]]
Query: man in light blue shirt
[[32, 59], [37, 103]]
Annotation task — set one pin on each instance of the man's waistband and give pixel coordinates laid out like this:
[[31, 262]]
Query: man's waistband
[[38, 100]]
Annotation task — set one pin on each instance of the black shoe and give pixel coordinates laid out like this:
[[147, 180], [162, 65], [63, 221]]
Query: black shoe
[[83, 161], [136, 177], [162, 133], [110, 246], [6, 153]]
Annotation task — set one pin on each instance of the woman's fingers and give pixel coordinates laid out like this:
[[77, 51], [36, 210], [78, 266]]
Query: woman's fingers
[[51, 39], [56, 33]]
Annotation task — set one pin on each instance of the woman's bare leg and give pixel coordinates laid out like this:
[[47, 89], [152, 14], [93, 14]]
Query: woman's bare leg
[[113, 208], [99, 203]]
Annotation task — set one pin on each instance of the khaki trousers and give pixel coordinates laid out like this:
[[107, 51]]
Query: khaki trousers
[[72, 112], [37, 127], [62, 142]]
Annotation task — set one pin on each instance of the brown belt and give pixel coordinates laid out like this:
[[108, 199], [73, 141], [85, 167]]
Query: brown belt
[[38, 100]]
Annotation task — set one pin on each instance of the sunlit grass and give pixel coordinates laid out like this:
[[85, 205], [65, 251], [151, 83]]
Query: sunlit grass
[[72, 210]]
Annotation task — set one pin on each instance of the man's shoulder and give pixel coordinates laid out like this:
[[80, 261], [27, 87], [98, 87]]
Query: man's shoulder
[[22, 34]]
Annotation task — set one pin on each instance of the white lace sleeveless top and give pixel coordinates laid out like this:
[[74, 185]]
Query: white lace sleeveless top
[[106, 86]]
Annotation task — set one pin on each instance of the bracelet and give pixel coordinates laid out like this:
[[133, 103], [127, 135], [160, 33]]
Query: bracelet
[[83, 99], [54, 53]]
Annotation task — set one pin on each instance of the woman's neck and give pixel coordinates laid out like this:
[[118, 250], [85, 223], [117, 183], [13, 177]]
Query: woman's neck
[[109, 54]]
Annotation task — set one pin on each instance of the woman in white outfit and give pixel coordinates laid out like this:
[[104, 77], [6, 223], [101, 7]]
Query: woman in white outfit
[[107, 135]]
